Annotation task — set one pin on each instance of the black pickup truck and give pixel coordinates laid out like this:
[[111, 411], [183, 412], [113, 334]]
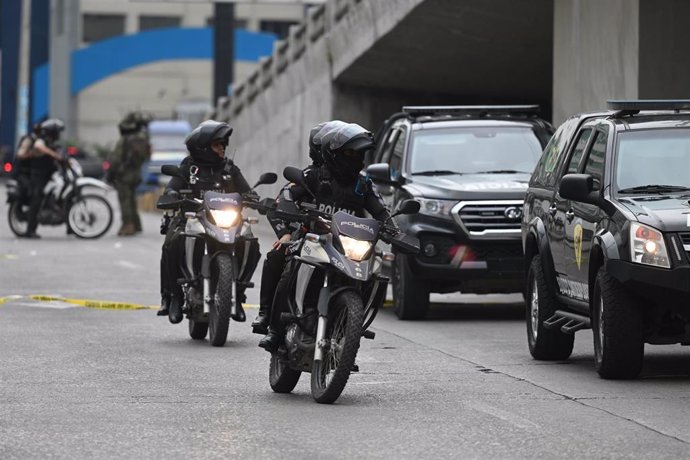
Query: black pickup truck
[[468, 166], [606, 235]]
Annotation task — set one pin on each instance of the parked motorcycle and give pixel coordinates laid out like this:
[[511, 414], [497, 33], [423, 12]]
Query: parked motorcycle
[[218, 245], [336, 290], [65, 201]]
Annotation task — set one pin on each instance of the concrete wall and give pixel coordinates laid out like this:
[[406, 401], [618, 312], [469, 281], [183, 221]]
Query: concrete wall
[[595, 54], [664, 49], [293, 90]]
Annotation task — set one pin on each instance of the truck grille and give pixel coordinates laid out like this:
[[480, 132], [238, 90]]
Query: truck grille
[[685, 239], [489, 219]]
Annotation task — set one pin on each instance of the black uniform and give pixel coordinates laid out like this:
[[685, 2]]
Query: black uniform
[[221, 176], [331, 196], [41, 169]]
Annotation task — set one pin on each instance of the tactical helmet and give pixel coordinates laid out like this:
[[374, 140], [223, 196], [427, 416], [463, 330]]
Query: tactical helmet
[[316, 137], [51, 129], [133, 122], [343, 151], [199, 141]]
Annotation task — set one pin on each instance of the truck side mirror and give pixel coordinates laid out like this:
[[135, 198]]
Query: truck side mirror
[[578, 187], [380, 173]]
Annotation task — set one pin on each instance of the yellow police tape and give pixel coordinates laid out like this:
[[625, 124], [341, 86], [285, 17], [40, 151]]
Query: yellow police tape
[[98, 304]]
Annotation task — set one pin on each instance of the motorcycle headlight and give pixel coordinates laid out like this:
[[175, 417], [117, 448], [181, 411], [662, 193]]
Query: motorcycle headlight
[[224, 218], [354, 249], [647, 246], [436, 208]]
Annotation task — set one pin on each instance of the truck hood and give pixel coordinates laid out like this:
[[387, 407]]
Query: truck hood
[[469, 186], [667, 213]]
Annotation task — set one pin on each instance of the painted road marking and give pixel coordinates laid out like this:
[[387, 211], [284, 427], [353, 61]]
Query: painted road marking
[[129, 265], [8, 257]]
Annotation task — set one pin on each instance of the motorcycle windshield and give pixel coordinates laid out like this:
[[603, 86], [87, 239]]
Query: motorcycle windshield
[[358, 228], [216, 200]]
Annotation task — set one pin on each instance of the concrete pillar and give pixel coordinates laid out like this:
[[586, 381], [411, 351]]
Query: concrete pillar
[[65, 30], [23, 79], [596, 54]]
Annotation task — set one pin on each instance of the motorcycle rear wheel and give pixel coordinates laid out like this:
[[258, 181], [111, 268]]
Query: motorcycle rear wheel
[[90, 216], [329, 376], [17, 218], [197, 329], [281, 378], [219, 316]]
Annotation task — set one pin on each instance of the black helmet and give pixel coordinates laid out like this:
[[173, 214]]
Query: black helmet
[[134, 121], [51, 129], [316, 136], [199, 141], [343, 151]]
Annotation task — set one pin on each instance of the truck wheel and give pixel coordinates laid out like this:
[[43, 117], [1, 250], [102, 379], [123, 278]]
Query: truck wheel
[[544, 344], [618, 328], [410, 296]]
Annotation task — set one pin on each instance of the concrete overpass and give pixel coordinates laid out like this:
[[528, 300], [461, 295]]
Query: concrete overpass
[[361, 60]]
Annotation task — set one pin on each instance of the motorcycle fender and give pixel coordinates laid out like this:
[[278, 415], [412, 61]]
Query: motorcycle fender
[[91, 182]]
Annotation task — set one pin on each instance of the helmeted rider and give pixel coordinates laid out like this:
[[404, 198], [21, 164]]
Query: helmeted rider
[[337, 185], [206, 145], [40, 150], [275, 259]]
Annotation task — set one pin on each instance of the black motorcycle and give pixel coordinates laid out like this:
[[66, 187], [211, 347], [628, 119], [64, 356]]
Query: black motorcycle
[[218, 253], [336, 289], [65, 201]]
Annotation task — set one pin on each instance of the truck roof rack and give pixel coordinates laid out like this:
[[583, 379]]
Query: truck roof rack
[[624, 108], [478, 110]]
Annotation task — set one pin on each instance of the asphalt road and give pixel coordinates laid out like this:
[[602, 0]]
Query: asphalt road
[[80, 382]]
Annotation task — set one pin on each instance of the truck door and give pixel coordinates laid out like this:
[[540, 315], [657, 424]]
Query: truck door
[[560, 211], [582, 219]]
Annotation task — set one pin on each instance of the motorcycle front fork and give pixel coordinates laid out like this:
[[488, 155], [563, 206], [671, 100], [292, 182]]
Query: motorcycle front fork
[[207, 288], [322, 323]]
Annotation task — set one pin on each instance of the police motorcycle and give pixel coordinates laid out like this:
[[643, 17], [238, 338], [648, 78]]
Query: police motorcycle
[[336, 289], [65, 201], [218, 242]]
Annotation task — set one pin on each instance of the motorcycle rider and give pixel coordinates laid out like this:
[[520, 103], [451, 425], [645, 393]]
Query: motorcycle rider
[[22, 164], [337, 185], [41, 151], [206, 145], [275, 258]]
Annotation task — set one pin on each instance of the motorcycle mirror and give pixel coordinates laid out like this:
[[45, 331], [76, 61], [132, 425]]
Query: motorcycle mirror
[[296, 175], [266, 178], [408, 207], [171, 170]]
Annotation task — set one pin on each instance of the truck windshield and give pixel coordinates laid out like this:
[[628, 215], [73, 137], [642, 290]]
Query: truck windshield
[[475, 150], [653, 160]]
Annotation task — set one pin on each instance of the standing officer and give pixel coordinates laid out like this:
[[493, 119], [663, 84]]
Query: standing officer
[[131, 152]]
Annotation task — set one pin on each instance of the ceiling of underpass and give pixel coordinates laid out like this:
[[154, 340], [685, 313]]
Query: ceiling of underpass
[[477, 51]]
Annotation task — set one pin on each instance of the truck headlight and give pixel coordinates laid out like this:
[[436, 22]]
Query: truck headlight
[[224, 218], [436, 208], [647, 246], [356, 250]]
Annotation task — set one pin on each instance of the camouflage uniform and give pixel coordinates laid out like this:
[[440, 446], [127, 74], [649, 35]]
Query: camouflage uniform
[[131, 151]]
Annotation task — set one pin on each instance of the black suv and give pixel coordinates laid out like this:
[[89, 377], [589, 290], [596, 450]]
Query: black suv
[[606, 235], [468, 166]]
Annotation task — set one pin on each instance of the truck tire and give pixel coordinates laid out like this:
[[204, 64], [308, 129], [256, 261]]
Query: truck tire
[[410, 296], [618, 330], [544, 344]]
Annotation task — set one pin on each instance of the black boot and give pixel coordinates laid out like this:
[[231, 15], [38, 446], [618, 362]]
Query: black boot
[[165, 305], [239, 316], [260, 324], [271, 342], [175, 309]]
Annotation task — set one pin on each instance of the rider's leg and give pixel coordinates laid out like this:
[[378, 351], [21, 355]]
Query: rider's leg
[[270, 275], [276, 330]]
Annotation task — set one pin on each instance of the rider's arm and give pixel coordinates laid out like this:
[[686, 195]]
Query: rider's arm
[[24, 150], [41, 146], [374, 203], [175, 184], [238, 183]]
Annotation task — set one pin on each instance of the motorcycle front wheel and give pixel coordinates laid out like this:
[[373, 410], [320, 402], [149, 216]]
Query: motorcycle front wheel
[[219, 316], [281, 378], [17, 218], [90, 216], [329, 376]]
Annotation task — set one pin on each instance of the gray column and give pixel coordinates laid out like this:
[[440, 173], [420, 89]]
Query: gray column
[[23, 71], [65, 29]]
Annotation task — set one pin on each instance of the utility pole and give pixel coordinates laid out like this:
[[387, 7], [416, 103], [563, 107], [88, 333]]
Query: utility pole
[[223, 48], [23, 80]]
